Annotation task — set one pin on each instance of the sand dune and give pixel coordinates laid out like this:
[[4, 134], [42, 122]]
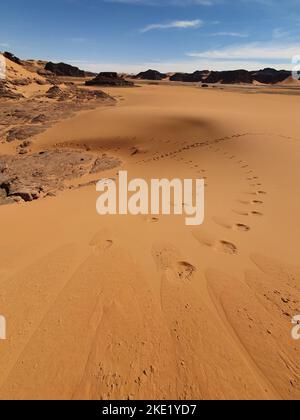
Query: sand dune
[[146, 307]]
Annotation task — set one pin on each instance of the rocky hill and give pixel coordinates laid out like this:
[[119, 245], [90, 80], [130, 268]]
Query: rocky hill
[[62, 69], [151, 75], [108, 79], [268, 76], [265, 76], [197, 76]]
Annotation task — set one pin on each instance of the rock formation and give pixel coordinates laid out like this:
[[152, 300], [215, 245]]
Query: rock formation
[[62, 69], [12, 57], [266, 76], [151, 75], [229, 77], [270, 76], [108, 79], [197, 76]]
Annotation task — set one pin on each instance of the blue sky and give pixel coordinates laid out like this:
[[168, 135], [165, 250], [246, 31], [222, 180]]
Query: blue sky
[[170, 35]]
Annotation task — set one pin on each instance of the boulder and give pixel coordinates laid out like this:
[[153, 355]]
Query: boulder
[[55, 93]]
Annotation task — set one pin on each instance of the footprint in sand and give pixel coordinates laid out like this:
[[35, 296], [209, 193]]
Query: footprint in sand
[[256, 213], [152, 219], [222, 246], [168, 259], [234, 226], [100, 241], [257, 202], [251, 193], [226, 247], [242, 227], [240, 212], [244, 202], [185, 270]]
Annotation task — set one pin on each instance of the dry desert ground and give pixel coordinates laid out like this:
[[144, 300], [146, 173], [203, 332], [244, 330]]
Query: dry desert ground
[[144, 307]]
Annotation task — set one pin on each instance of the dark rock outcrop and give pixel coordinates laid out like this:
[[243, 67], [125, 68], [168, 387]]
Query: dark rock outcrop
[[151, 75], [12, 57], [197, 76], [270, 76], [62, 69], [22, 133], [229, 77], [266, 76], [108, 79]]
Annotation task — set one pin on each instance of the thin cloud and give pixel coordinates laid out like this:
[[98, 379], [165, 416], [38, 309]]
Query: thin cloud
[[167, 2], [231, 34], [253, 51], [176, 24]]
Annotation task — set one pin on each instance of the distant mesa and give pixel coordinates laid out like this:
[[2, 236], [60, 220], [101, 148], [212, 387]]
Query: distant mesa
[[196, 77], [230, 77], [151, 75], [109, 79], [66, 70], [268, 75]]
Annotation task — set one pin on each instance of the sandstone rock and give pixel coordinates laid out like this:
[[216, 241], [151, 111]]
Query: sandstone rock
[[103, 163], [22, 133], [7, 93], [41, 118], [21, 82], [55, 93], [37, 175]]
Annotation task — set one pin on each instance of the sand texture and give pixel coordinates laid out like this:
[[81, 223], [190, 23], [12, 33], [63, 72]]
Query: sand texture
[[143, 307]]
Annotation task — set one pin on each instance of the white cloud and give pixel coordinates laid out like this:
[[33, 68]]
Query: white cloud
[[252, 51], [176, 24], [231, 34], [167, 2]]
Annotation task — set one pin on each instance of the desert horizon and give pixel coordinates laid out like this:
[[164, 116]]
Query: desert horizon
[[149, 219]]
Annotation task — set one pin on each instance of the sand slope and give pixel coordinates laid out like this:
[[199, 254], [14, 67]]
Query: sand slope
[[143, 307]]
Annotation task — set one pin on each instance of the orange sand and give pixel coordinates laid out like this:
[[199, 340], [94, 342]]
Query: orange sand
[[100, 307]]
